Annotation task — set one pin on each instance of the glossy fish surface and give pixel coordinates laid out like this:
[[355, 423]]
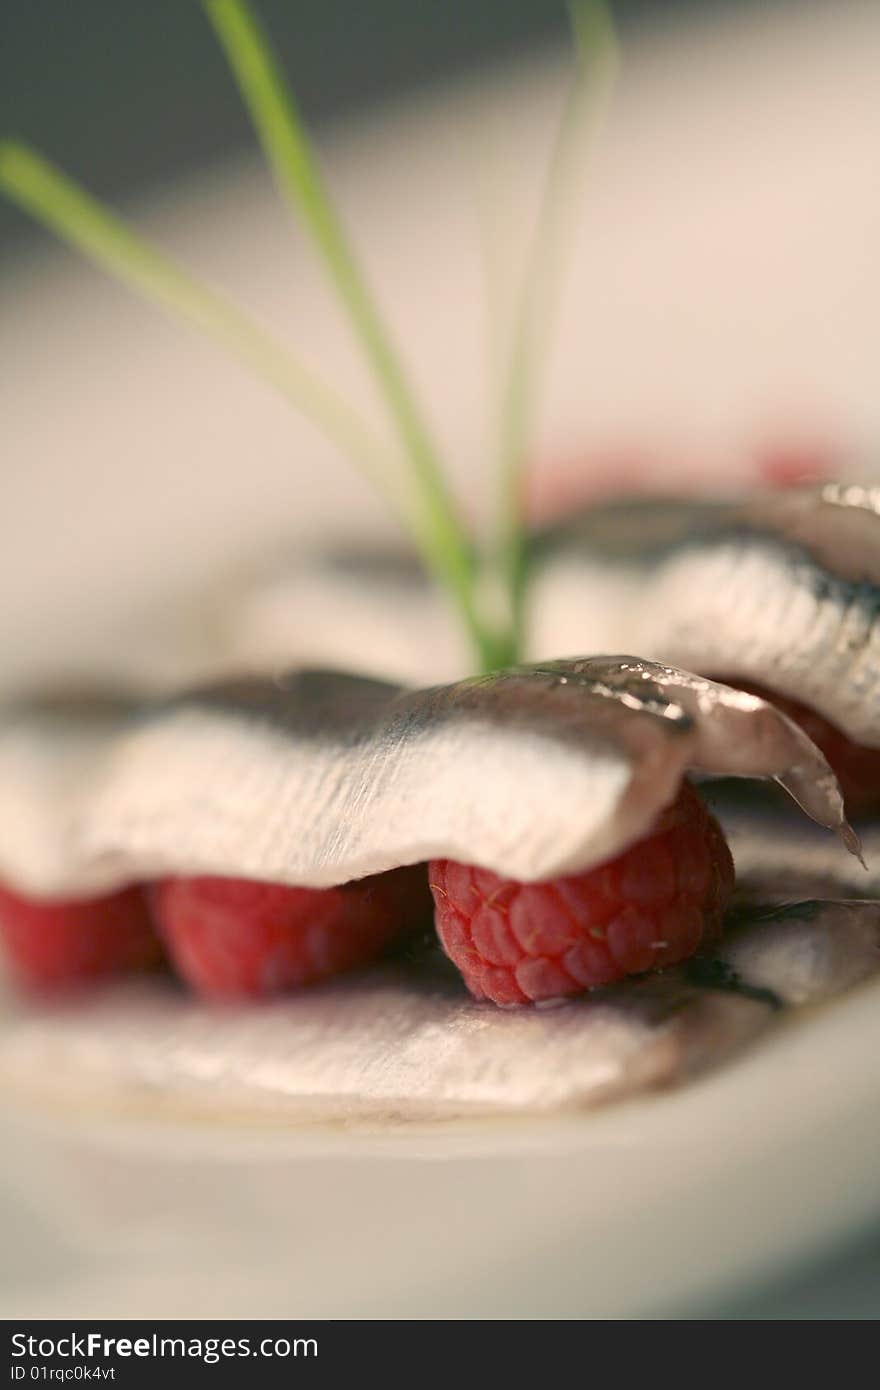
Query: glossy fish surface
[[780, 856], [781, 589], [405, 1042], [316, 778]]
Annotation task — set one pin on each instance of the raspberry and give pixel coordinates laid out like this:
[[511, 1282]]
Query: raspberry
[[652, 906], [55, 943], [240, 938], [796, 463], [857, 767]]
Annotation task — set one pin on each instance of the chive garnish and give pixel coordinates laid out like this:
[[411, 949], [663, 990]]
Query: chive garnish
[[421, 497], [58, 203], [597, 63], [286, 145]]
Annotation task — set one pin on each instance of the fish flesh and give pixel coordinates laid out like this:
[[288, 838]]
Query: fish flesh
[[779, 589], [316, 778], [780, 856], [405, 1042]]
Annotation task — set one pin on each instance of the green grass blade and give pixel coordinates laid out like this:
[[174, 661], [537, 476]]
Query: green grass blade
[[597, 66], [79, 219], [440, 533]]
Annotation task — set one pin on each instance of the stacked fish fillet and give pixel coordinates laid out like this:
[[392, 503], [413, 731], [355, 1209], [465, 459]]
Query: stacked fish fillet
[[755, 623]]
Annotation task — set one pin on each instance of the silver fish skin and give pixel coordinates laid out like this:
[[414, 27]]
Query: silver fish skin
[[805, 952], [403, 1042], [316, 778], [780, 856], [781, 589]]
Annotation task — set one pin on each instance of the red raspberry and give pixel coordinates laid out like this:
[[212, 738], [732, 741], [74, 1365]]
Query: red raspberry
[[795, 463], [61, 942], [652, 906], [857, 767], [235, 938]]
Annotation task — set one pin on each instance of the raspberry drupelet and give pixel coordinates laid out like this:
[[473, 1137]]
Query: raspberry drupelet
[[234, 938], [652, 906], [54, 944]]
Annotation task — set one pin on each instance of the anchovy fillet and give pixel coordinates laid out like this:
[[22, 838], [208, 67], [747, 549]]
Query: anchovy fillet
[[404, 1042], [782, 589], [319, 777], [780, 856]]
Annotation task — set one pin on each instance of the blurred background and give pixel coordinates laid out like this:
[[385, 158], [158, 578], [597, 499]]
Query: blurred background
[[717, 322], [721, 321], [129, 99]]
